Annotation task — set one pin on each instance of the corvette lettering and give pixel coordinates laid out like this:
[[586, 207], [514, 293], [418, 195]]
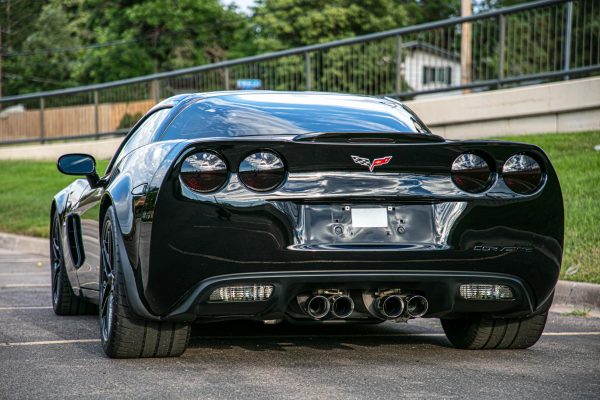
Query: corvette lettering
[[371, 165], [503, 249]]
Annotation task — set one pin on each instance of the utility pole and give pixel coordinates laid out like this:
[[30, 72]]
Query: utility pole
[[466, 53]]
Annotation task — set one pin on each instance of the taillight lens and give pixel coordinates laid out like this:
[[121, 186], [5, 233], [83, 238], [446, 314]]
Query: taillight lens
[[471, 173], [262, 171], [204, 172], [522, 174]]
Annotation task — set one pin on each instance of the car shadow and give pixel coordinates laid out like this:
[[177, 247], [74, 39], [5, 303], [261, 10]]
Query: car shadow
[[256, 336]]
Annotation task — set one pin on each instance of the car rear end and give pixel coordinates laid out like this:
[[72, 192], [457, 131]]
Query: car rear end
[[356, 227]]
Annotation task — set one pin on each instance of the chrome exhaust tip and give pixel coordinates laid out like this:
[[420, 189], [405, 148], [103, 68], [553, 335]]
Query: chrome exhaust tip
[[390, 306], [317, 307], [417, 306], [341, 306]]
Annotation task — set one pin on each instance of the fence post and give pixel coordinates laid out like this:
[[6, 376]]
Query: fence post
[[501, 48], [398, 64], [226, 78], [567, 49], [155, 91], [96, 116], [307, 70], [466, 51], [42, 128]]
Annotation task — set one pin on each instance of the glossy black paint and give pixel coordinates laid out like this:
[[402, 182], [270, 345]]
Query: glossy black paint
[[180, 243]]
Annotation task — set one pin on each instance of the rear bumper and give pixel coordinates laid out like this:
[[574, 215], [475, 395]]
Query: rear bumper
[[439, 287]]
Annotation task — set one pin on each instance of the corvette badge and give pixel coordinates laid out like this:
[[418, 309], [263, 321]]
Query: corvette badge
[[371, 165]]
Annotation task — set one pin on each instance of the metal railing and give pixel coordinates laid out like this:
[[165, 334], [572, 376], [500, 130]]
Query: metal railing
[[528, 43]]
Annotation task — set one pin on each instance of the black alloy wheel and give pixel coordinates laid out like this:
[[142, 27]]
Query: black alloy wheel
[[107, 282]]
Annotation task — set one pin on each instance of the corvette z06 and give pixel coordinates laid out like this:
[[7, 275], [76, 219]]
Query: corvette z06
[[305, 207]]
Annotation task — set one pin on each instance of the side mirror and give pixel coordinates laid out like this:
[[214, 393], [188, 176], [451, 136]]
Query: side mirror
[[79, 164]]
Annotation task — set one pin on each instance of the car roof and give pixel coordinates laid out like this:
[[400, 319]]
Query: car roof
[[260, 96]]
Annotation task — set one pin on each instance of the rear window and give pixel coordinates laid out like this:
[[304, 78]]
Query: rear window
[[289, 114]]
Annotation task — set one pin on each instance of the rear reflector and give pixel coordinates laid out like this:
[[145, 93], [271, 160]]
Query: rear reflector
[[242, 293], [486, 292]]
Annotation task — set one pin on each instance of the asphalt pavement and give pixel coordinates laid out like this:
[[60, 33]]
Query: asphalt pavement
[[46, 356]]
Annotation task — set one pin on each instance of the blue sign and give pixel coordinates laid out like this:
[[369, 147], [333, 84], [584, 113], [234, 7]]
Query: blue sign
[[248, 84]]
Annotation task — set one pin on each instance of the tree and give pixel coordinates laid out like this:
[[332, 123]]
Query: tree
[[39, 66], [290, 23], [157, 35]]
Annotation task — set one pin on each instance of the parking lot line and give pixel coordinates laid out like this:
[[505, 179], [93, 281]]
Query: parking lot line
[[75, 341], [25, 308], [24, 285], [23, 273], [49, 342]]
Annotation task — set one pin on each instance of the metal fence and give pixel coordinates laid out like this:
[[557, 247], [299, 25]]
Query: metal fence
[[529, 43]]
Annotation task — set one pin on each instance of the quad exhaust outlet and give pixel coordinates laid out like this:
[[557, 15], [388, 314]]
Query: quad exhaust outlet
[[390, 305]]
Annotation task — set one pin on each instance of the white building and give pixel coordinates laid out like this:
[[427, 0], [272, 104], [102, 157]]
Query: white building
[[427, 67]]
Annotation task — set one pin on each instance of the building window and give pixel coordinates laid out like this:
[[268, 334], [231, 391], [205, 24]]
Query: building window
[[437, 75]]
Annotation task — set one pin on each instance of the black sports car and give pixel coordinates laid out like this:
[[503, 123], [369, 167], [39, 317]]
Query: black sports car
[[305, 207]]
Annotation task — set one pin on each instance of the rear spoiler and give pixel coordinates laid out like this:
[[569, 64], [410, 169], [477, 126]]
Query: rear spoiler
[[368, 137]]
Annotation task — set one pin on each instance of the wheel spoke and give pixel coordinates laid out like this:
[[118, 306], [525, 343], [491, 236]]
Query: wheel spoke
[[55, 273], [105, 295]]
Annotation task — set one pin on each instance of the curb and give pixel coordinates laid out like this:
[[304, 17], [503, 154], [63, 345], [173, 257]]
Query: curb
[[37, 246], [577, 295]]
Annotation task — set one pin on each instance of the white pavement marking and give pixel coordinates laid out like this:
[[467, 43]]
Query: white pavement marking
[[49, 342], [23, 273], [570, 333], [24, 285], [25, 308], [55, 342]]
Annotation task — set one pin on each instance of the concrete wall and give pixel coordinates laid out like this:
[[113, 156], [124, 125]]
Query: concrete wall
[[567, 106]]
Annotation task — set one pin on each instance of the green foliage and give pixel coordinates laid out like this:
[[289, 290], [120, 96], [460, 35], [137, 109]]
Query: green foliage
[[158, 35], [129, 120], [421, 11], [40, 69], [578, 167], [359, 69], [27, 191], [283, 24]]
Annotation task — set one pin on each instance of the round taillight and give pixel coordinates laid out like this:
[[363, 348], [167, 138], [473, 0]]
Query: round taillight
[[522, 174], [471, 173], [262, 171], [204, 172]]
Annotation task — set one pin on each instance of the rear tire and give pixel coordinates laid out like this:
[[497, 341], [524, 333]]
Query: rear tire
[[484, 332], [122, 333], [64, 301]]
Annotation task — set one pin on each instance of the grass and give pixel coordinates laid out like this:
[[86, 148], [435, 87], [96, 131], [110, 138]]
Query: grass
[[578, 167], [26, 192], [584, 312], [27, 188]]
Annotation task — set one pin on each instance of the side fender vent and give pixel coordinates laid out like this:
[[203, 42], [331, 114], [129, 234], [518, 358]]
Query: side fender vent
[[74, 238]]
